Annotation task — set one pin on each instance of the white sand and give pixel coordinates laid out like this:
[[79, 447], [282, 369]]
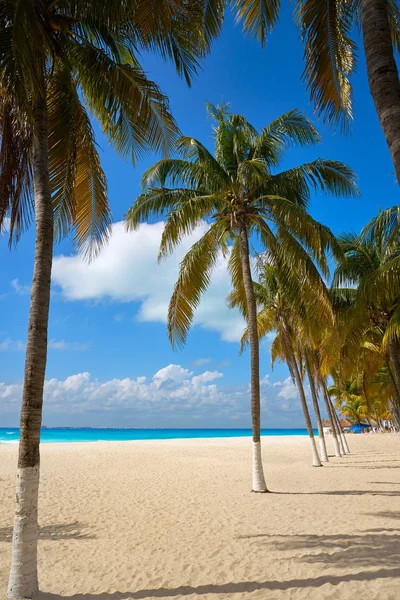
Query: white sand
[[175, 519]]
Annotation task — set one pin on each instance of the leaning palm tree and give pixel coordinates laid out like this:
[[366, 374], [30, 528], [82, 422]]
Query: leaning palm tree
[[239, 195], [330, 55], [58, 60], [288, 310]]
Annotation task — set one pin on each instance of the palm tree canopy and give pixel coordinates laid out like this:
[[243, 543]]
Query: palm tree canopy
[[238, 186], [88, 53], [330, 52]]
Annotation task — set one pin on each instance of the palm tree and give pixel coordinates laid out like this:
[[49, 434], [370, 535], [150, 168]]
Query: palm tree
[[58, 59], [286, 310], [369, 272], [238, 195], [330, 55]]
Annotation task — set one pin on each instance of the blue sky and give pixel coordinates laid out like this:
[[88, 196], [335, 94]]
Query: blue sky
[[107, 321]]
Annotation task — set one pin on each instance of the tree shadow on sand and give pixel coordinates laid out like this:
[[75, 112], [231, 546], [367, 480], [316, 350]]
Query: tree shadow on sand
[[66, 531], [371, 548], [379, 553], [241, 587], [393, 493]]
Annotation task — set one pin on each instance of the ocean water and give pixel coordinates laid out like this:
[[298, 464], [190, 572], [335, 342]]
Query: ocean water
[[10, 435]]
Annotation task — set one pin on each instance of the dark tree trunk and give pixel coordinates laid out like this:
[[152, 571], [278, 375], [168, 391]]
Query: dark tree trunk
[[395, 404], [258, 474], [382, 71], [310, 375], [23, 578], [394, 351]]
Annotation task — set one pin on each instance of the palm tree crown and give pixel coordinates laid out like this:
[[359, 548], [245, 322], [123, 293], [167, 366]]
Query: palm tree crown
[[83, 57], [237, 188]]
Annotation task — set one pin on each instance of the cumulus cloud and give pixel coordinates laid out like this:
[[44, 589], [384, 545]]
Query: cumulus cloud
[[172, 397], [127, 271]]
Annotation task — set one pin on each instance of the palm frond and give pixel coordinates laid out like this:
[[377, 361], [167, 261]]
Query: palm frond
[[329, 55], [258, 18], [194, 278]]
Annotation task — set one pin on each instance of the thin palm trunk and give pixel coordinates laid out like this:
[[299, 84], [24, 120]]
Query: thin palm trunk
[[394, 351], [259, 484], [395, 410], [342, 440], [383, 75], [292, 362], [23, 581], [322, 444], [331, 418]]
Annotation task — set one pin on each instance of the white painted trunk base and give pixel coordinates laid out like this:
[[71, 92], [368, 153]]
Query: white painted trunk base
[[315, 458], [23, 576], [322, 450], [345, 444], [337, 447], [259, 484], [341, 448]]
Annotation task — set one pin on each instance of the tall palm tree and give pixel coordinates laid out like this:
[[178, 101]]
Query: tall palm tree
[[58, 59], [286, 310], [238, 194], [330, 55]]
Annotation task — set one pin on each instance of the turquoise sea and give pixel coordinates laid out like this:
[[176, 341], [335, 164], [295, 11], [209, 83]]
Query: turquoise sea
[[86, 434]]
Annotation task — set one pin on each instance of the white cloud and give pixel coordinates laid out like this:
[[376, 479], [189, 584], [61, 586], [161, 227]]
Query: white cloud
[[289, 390], [200, 362], [8, 345], [127, 271], [173, 396], [63, 345], [21, 289], [5, 226]]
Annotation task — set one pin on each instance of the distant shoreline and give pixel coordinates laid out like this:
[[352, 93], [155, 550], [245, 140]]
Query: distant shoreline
[[87, 434]]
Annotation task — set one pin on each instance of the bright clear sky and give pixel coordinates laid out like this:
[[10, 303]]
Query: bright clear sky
[[110, 363]]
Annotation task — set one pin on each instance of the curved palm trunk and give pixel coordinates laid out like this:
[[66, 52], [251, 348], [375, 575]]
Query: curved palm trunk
[[322, 444], [395, 404], [259, 484], [331, 418], [23, 581], [383, 76], [341, 433], [296, 373], [339, 430]]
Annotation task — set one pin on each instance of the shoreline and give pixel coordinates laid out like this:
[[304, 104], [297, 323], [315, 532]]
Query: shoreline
[[164, 440]]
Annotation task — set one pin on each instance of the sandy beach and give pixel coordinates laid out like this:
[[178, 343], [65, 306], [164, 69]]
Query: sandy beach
[[175, 519]]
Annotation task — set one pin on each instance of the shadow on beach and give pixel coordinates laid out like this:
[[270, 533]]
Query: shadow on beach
[[66, 531], [364, 550]]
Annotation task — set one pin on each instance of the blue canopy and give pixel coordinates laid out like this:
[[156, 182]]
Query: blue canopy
[[358, 428]]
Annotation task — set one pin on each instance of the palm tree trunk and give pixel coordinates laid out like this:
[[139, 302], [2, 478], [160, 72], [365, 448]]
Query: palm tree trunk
[[396, 394], [292, 362], [394, 352], [23, 581], [259, 484], [383, 75], [322, 444], [339, 428], [331, 417]]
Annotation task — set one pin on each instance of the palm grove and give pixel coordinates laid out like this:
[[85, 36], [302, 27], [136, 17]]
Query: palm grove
[[63, 62]]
